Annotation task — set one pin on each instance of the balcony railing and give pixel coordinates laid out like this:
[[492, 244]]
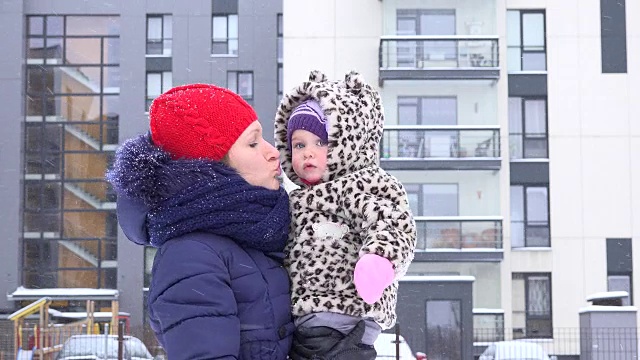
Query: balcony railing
[[440, 141], [488, 325], [441, 147], [459, 232], [438, 52], [532, 324]]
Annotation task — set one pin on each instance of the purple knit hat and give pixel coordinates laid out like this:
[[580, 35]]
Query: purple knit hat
[[308, 116]]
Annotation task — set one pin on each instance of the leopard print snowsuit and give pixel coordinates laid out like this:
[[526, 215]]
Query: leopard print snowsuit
[[357, 209]]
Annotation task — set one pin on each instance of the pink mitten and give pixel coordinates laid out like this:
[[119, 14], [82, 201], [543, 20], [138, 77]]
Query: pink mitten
[[371, 276]]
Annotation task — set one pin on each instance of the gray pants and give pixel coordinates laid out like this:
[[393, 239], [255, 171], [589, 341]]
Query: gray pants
[[341, 322]]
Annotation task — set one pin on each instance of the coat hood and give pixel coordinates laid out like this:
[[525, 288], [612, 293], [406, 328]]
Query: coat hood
[[355, 120]]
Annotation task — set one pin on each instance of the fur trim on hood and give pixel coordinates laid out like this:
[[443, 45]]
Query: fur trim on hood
[[355, 123]]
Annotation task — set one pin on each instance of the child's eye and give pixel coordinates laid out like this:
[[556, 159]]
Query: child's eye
[[298, 146], [322, 143]]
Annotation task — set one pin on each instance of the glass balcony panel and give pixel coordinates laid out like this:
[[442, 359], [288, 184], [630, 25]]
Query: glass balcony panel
[[424, 142], [438, 51], [488, 325], [458, 232]]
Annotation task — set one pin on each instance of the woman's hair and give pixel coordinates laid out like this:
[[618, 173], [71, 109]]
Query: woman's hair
[[225, 159]]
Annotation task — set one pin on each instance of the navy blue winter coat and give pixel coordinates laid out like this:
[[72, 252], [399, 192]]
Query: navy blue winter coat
[[212, 296]]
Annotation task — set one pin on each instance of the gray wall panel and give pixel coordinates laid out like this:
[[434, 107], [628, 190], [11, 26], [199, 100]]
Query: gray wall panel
[[159, 63], [527, 84], [11, 92], [197, 70], [132, 121], [529, 172]]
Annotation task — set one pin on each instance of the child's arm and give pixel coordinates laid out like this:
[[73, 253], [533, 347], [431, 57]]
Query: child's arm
[[389, 230], [389, 233]]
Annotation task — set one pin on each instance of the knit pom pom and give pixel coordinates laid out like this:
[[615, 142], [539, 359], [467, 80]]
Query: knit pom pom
[[135, 171], [317, 76]]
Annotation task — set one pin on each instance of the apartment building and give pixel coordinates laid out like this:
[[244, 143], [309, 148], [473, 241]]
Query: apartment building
[[513, 126], [77, 78]]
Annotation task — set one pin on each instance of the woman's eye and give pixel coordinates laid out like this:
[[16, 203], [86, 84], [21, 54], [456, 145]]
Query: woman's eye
[[253, 145]]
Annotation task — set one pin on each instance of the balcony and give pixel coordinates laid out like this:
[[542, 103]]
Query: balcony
[[488, 325], [441, 147], [438, 57], [459, 238]]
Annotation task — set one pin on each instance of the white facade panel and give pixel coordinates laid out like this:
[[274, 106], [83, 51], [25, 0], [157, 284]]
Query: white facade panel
[[330, 36]]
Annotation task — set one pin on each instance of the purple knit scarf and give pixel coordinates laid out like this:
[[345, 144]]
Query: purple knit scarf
[[185, 196]]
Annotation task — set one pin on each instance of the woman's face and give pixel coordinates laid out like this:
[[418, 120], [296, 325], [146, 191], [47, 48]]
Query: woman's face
[[255, 159]]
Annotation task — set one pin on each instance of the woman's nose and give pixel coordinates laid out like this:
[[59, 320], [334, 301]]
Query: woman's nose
[[271, 152]]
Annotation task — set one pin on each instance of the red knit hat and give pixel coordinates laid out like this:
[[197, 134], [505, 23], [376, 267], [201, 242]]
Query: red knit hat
[[198, 121]]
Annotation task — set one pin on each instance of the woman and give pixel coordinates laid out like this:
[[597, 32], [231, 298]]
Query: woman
[[203, 187]]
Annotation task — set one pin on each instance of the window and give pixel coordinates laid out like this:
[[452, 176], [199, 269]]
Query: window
[[159, 29], [434, 200], [444, 329], [531, 302], [224, 25], [280, 82], [280, 54], [241, 82], [149, 255], [280, 36], [157, 83], [613, 36], [68, 234], [526, 40], [620, 267], [528, 128], [427, 111], [425, 22], [530, 216]]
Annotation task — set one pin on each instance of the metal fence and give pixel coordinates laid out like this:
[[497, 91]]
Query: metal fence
[[70, 342], [565, 343]]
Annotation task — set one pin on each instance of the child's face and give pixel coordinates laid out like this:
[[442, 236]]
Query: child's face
[[308, 155]]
